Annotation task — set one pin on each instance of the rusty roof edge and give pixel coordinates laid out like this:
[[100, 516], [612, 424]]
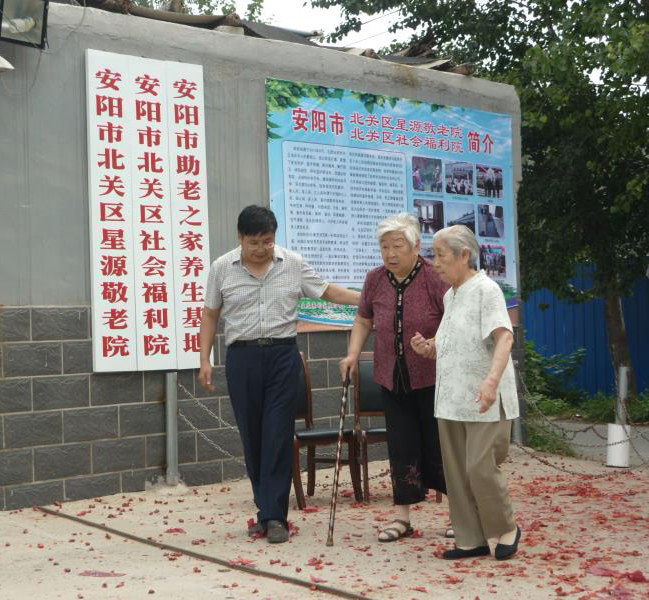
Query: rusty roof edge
[[128, 7], [266, 31], [204, 21]]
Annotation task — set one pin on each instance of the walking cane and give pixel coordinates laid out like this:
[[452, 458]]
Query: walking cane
[[339, 447]]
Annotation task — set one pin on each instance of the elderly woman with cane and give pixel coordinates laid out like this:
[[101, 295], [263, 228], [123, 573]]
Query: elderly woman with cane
[[399, 299], [475, 398]]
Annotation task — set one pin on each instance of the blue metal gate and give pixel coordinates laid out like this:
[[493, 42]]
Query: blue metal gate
[[559, 327]]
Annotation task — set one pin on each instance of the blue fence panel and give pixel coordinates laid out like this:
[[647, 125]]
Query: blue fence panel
[[559, 327]]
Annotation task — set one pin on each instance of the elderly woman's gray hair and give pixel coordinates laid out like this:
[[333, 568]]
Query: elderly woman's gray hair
[[404, 223], [458, 238]]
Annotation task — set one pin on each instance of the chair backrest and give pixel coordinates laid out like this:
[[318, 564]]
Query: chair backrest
[[304, 404], [368, 396]]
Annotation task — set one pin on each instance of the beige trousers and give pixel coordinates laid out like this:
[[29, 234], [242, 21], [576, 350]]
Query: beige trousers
[[478, 499]]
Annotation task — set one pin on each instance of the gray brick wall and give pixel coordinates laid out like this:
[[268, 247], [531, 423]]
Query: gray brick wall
[[68, 434]]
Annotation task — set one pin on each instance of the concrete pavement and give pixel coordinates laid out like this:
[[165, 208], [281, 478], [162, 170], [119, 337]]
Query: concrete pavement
[[583, 537]]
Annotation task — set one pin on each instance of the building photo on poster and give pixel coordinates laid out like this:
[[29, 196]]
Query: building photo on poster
[[340, 161]]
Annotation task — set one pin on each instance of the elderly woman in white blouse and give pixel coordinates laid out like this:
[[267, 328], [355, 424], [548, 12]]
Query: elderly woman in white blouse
[[475, 399]]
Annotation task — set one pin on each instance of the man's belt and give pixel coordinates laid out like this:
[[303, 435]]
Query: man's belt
[[266, 342]]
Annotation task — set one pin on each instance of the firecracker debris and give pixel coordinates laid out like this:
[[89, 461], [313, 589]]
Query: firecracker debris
[[583, 537]]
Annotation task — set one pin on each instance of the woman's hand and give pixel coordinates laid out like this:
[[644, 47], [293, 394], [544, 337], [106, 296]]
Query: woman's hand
[[487, 391], [422, 346], [348, 366], [486, 395]]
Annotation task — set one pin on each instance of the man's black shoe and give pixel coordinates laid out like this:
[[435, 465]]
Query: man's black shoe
[[276, 532], [458, 553], [505, 551]]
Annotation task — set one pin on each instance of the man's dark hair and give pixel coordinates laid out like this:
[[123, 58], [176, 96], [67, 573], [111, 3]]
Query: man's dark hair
[[255, 220]]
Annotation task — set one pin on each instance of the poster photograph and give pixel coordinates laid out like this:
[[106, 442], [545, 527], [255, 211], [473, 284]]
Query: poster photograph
[[342, 160]]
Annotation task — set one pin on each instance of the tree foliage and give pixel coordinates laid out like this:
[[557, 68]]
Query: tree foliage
[[212, 7], [581, 70]]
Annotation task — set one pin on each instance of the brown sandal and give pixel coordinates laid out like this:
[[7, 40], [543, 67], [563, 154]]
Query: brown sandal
[[395, 533]]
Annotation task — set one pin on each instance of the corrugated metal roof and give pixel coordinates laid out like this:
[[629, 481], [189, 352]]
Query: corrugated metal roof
[[275, 33]]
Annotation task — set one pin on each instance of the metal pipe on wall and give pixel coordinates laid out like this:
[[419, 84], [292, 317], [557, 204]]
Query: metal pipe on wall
[[171, 398]]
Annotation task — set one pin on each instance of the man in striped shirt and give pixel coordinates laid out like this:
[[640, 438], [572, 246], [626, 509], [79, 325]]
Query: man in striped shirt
[[255, 289]]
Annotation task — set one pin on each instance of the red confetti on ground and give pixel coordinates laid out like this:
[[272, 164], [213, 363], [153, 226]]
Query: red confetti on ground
[[175, 530], [637, 577], [245, 562], [101, 574], [292, 529], [602, 571]]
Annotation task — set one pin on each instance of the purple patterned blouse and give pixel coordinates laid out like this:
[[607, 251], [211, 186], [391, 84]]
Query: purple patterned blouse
[[422, 308]]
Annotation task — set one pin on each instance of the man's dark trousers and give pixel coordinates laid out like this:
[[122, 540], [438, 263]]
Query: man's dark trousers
[[262, 382]]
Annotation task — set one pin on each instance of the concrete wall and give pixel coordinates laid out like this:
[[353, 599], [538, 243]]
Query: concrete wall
[[66, 432]]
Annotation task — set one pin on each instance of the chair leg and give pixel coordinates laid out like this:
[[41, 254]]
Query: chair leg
[[364, 459], [438, 497], [297, 477], [354, 469], [310, 468]]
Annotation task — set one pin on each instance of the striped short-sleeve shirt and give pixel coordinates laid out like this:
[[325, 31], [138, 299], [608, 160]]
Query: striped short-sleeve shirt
[[263, 307]]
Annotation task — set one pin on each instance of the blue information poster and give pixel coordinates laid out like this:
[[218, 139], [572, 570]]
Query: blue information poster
[[340, 161]]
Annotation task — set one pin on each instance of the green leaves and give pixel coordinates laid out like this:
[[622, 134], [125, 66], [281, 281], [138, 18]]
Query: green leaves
[[212, 7]]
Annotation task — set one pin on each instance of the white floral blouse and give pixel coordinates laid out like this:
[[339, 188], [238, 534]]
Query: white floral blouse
[[465, 349]]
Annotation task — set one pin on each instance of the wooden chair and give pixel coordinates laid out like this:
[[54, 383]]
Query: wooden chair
[[368, 402], [310, 437]]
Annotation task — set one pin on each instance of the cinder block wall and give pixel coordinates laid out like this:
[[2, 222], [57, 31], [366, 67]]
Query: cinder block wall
[[68, 434]]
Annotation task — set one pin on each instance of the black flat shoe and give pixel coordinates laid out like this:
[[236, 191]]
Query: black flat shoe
[[505, 551], [458, 553]]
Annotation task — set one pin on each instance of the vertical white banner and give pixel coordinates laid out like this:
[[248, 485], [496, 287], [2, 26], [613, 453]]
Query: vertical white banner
[[111, 235], [149, 231], [189, 205], [148, 131]]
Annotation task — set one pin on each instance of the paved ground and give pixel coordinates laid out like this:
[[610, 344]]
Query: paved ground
[[582, 538]]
